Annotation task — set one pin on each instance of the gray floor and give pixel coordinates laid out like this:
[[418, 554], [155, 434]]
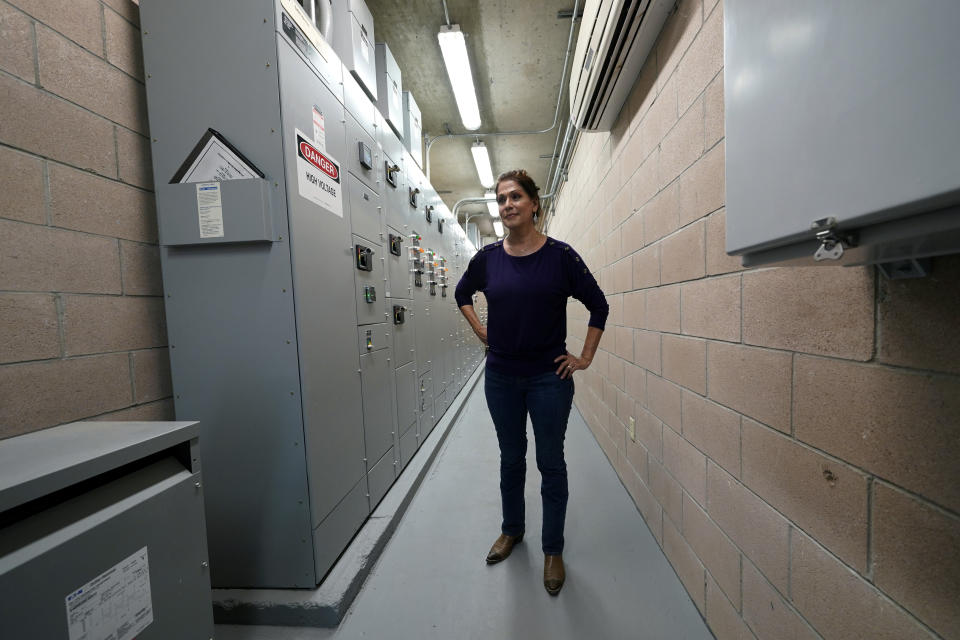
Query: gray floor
[[432, 582]]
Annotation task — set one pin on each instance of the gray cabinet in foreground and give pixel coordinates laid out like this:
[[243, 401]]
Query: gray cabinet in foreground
[[102, 533]]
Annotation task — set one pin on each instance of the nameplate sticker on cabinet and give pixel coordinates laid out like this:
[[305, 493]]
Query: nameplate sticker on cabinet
[[210, 209], [318, 175], [115, 604], [319, 130]]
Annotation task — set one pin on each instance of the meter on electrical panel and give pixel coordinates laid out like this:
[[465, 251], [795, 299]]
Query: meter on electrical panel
[[365, 155]]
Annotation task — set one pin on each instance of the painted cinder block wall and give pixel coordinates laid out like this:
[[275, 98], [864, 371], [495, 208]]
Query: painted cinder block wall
[[797, 429], [82, 332]]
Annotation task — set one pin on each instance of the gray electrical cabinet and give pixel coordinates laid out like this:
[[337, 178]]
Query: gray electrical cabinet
[[389, 88], [412, 128], [103, 533], [299, 322], [841, 130]]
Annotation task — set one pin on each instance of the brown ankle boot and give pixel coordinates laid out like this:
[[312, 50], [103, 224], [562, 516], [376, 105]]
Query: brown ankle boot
[[553, 573], [502, 547]]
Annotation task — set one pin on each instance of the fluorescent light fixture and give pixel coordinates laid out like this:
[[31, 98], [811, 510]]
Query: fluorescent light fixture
[[498, 227], [492, 204], [454, 50], [482, 159]]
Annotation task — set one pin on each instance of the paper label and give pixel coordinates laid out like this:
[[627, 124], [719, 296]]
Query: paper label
[[217, 162], [318, 175], [398, 101], [365, 47], [116, 605], [319, 130], [210, 209]]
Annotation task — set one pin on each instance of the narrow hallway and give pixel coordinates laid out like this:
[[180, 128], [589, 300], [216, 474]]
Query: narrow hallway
[[432, 582]]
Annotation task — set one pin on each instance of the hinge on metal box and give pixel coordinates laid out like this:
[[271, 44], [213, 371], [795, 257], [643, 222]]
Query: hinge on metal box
[[832, 240]]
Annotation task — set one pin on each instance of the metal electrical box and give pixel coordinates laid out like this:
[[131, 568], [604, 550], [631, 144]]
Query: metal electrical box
[[102, 533], [389, 88], [412, 128], [841, 130], [282, 317], [353, 41]]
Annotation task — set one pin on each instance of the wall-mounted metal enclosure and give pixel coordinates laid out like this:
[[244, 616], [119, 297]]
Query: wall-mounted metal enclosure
[[412, 128], [353, 40], [389, 88], [103, 533], [282, 331], [841, 130]]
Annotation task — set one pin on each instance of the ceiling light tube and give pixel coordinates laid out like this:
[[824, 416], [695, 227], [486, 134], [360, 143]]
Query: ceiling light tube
[[454, 50], [482, 160], [492, 204], [498, 227]]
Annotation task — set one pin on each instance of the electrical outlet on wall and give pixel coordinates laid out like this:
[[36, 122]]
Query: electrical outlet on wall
[[632, 429]]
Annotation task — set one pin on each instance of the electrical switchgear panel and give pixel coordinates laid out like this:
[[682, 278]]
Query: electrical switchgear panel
[[305, 418]]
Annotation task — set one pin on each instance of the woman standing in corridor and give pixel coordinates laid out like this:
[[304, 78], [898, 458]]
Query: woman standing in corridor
[[527, 279]]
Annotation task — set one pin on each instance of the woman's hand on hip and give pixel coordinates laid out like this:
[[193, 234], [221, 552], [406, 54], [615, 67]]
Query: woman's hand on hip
[[482, 334], [567, 364]]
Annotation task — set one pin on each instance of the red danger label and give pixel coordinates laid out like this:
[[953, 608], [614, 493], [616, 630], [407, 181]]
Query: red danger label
[[309, 153]]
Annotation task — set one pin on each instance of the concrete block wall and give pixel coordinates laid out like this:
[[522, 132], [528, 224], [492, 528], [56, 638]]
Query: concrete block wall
[[797, 430], [82, 332]]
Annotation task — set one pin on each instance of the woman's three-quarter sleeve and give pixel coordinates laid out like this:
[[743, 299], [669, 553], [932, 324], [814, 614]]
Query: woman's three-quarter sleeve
[[473, 280], [584, 287]]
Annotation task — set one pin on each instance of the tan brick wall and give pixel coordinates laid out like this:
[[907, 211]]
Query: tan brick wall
[[82, 330], [795, 457]]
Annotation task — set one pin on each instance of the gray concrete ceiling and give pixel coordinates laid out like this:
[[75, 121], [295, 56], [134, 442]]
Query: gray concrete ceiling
[[516, 51]]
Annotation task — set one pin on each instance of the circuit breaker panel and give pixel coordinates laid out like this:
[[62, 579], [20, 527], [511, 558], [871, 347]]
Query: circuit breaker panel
[[313, 331]]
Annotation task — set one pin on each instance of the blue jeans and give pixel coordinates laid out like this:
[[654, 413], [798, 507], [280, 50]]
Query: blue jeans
[[548, 399]]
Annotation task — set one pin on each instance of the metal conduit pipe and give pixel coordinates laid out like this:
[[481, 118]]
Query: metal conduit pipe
[[562, 164], [324, 19], [469, 217], [464, 201], [556, 111]]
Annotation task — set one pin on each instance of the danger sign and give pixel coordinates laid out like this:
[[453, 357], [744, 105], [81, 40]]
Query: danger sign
[[318, 176]]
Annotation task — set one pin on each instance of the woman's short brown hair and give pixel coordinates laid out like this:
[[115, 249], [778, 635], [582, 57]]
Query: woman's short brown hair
[[522, 178]]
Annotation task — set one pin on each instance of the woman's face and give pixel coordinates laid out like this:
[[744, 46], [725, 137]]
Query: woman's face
[[516, 207]]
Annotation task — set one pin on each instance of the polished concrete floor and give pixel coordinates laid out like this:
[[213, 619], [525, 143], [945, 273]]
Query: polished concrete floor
[[432, 583]]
